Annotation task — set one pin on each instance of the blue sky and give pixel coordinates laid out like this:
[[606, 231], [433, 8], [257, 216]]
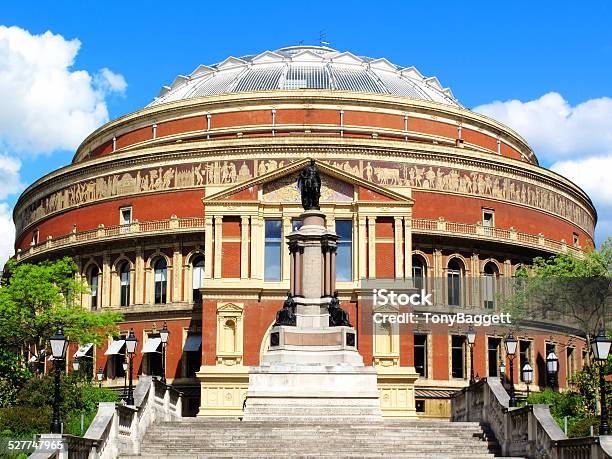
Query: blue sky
[[484, 51]]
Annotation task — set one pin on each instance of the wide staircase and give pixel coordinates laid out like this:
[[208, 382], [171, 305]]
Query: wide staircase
[[216, 438]]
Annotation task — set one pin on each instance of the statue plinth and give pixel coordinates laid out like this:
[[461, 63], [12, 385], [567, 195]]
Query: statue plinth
[[312, 369]]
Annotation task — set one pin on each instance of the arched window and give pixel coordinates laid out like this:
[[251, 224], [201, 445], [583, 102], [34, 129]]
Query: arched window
[[419, 272], [93, 280], [454, 278], [491, 274], [161, 276], [197, 276], [124, 279]]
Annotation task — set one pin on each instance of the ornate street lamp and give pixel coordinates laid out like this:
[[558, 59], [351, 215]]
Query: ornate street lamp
[[164, 334], [502, 371], [511, 343], [100, 376], [59, 345], [527, 375], [471, 338], [600, 346], [130, 345], [552, 367], [75, 365], [125, 366]]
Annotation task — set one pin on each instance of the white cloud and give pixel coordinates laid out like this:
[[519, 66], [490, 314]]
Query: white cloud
[[9, 176], [111, 81], [554, 128], [46, 106], [7, 230]]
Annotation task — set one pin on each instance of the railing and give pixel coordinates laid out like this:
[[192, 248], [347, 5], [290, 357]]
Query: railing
[[529, 431], [478, 231], [135, 228], [118, 429]]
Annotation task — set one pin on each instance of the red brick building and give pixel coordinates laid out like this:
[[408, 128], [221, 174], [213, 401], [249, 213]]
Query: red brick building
[[177, 213]]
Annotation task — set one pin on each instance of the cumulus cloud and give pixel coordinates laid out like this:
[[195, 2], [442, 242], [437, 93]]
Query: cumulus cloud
[[9, 176], [576, 140], [7, 230], [554, 128], [46, 105]]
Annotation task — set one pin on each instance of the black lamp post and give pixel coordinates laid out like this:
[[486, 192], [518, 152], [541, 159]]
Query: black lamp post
[[600, 346], [552, 367], [527, 375], [130, 345], [59, 345], [125, 366], [164, 335], [511, 343], [471, 338], [100, 376]]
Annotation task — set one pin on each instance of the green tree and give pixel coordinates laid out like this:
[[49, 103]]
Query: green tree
[[33, 298], [565, 288]]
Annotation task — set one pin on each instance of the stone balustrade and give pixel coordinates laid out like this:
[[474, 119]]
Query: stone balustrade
[[186, 225], [118, 429], [529, 431]]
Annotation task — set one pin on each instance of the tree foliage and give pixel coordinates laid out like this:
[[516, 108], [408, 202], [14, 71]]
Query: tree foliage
[[33, 298], [566, 288]]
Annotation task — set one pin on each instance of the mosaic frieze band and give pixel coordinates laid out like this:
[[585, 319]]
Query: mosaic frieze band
[[417, 176]]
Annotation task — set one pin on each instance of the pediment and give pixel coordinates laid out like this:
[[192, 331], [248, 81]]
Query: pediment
[[340, 182]]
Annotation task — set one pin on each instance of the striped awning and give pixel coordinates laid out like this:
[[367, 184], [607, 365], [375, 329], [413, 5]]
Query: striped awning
[[433, 393]]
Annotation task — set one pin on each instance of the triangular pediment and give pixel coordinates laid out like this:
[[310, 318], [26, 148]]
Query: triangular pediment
[[280, 185]]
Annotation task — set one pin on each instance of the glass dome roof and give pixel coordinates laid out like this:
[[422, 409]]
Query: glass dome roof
[[305, 67]]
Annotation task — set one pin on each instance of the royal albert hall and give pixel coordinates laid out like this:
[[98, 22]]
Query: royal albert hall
[[177, 213]]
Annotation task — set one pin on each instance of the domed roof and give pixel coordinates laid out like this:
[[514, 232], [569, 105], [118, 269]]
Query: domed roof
[[305, 67]]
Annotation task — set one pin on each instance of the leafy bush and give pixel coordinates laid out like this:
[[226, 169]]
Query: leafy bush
[[23, 420], [582, 427]]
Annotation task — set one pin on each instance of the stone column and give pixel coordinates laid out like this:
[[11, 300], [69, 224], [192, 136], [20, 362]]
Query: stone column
[[284, 258], [218, 245], [244, 247], [327, 271], [362, 250], [399, 252], [208, 247], [299, 268], [177, 262], [332, 274], [139, 273], [257, 242], [292, 275], [438, 274], [106, 280], [408, 247], [371, 247]]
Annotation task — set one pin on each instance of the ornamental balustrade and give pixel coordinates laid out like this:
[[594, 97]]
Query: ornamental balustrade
[[118, 429], [529, 431], [186, 225]]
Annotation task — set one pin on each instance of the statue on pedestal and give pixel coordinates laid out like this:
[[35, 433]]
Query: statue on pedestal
[[337, 316], [286, 316], [309, 184]]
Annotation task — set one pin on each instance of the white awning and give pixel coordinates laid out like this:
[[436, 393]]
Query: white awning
[[37, 357], [151, 345], [115, 347], [83, 350], [193, 343]]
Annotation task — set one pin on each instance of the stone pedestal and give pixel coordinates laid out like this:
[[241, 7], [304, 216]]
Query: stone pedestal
[[312, 371]]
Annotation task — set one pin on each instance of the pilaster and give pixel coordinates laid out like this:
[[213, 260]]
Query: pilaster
[[177, 262], [218, 245], [362, 250], [371, 247], [106, 280], [408, 246], [139, 274], [397, 243], [244, 247], [208, 247]]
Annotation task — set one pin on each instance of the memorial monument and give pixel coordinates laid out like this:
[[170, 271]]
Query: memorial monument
[[312, 369]]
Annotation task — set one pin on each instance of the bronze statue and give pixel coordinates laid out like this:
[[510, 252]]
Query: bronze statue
[[309, 184], [286, 316], [337, 316]]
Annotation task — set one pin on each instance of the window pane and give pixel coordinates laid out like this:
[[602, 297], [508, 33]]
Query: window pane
[[420, 354], [457, 357], [344, 256], [272, 254], [273, 229], [493, 356]]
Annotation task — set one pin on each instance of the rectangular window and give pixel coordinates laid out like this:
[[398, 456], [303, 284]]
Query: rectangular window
[[488, 221], [489, 291], [125, 218], [94, 291], [296, 224], [570, 367], [458, 357], [420, 355], [493, 354], [575, 239], [344, 257], [35, 236], [273, 239], [524, 353], [454, 287], [160, 286], [125, 287]]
